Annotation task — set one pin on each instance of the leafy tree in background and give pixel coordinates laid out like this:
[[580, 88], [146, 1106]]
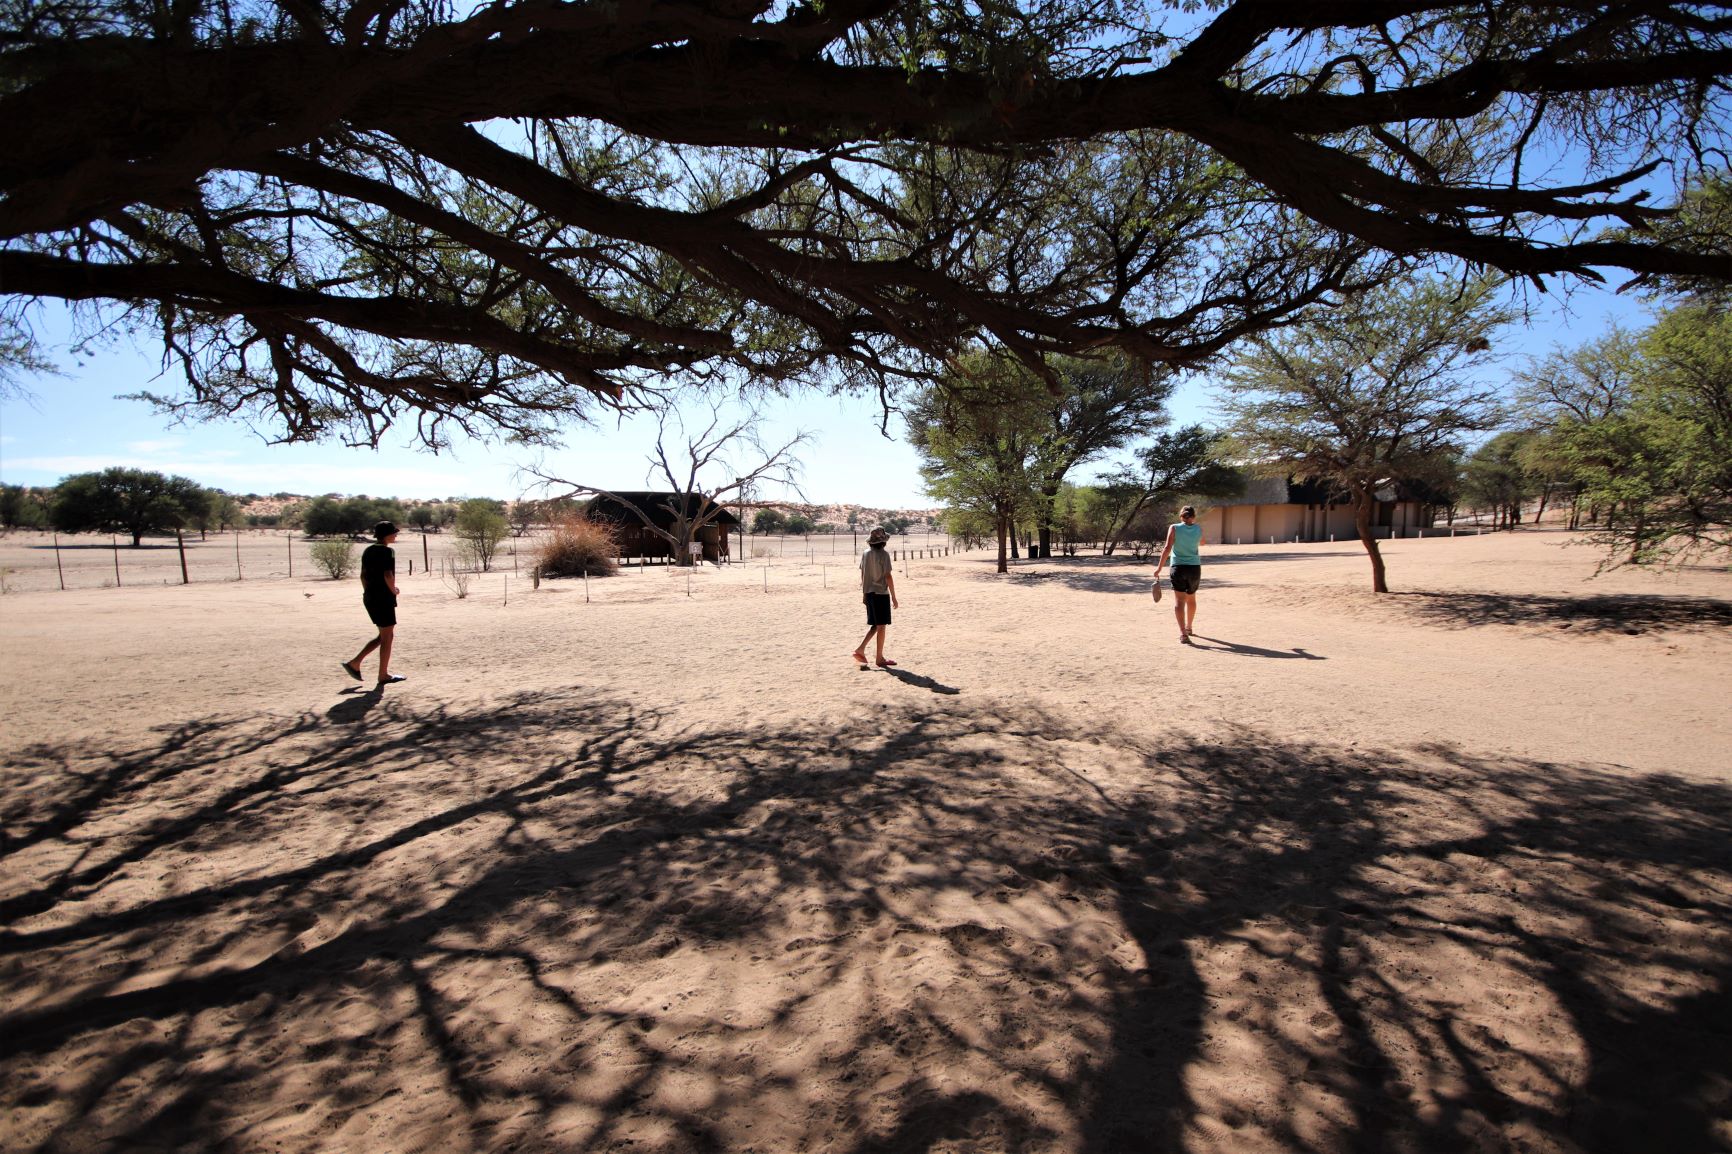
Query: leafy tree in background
[[1662, 467], [798, 524], [218, 510], [24, 508], [1564, 391], [1496, 476], [479, 528], [767, 521], [1095, 407], [979, 436], [1370, 396], [421, 517], [121, 500], [895, 524]]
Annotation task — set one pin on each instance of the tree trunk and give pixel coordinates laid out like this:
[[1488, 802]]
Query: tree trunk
[[1003, 537], [137, 538], [1049, 502], [1363, 504], [1545, 492]]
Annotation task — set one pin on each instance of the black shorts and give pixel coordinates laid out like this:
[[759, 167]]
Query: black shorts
[[382, 610], [1186, 578], [877, 608]]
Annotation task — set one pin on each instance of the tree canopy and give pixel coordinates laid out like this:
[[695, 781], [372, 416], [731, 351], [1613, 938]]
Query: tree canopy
[[334, 214], [121, 500]]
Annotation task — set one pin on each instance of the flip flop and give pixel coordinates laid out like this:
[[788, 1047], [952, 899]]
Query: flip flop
[[886, 663], [351, 671], [1156, 589], [393, 679], [859, 658]]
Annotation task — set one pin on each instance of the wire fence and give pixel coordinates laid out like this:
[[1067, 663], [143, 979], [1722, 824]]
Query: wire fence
[[36, 562]]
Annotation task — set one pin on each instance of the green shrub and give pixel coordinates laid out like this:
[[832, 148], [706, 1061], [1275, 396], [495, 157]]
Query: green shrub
[[480, 528], [577, 546], [336, 557]]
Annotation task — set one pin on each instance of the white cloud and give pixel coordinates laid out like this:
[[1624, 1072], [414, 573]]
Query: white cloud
[[151, 447]]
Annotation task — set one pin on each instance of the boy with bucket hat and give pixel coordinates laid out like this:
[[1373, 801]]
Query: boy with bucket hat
[[379, 596], [878, 591]]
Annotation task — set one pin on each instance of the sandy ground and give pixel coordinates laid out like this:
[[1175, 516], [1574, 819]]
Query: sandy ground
[[657, 868]]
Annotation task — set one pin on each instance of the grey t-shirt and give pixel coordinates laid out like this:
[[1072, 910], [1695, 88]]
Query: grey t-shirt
[[875, 566]]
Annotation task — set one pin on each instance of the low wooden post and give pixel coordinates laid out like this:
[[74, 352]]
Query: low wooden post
[[237, 555], [181, 545], [425, 567], [57, 567], [115, 542], [291, 554]]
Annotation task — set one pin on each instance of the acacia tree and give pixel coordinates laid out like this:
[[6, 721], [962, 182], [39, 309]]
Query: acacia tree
[[1661, 467], [703, 464], [1093, 407], [984, 441], [1564, 391], [1373, 396], [1496, 477], [120, 500], [336, 212]]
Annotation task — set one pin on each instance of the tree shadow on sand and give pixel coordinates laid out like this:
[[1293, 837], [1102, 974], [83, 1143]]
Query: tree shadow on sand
[[559, 922], [1096, 576], [1613, 613]]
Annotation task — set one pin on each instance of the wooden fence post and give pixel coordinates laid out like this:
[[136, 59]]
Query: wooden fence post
[[181, 545], [291, 553], [57, 567], [115, 542], [237, 555]]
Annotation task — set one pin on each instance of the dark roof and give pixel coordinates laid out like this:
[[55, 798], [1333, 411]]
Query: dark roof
[[1276, 490], [657, 506]]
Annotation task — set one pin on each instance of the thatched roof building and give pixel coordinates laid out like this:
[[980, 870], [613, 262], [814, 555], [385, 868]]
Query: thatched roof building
[[628, 511]]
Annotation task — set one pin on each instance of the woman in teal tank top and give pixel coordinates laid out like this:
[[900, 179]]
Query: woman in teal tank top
[[1184, 545]]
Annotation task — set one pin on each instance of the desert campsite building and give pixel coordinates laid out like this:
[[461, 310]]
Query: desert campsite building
[[621, 510], [1289, 510]]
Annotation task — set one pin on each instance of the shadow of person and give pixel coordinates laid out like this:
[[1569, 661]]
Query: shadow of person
[[1219, 646], [908, 678], [356, 704]]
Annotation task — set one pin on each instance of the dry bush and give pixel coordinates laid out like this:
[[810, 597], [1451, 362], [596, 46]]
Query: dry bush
[[578, 546]]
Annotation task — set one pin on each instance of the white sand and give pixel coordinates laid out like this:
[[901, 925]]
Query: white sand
[[1447, 869]]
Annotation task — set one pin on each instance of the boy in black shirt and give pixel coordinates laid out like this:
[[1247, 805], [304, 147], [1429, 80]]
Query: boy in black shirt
[[379, 595]]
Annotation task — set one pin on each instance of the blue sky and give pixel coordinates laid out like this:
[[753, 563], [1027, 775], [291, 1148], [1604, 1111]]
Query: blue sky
[[76, 423]]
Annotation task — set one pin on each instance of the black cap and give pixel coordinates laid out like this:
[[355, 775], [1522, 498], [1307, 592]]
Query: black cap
[[383, 530]]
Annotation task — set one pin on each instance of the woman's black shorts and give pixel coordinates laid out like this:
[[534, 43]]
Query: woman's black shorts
[[1186, 578], [877, 608], [382, 610]]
